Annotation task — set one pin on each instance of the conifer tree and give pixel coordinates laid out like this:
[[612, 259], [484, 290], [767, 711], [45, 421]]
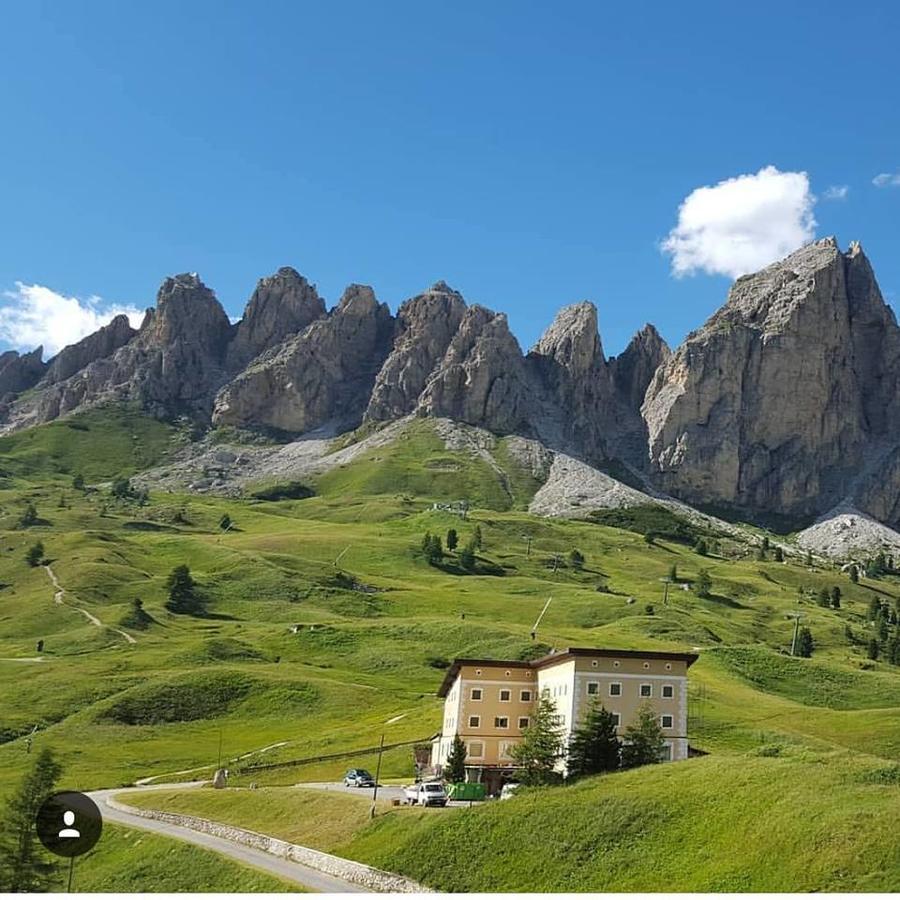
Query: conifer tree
[[541, 747], [456, 761], [643, 741], [594, 746]]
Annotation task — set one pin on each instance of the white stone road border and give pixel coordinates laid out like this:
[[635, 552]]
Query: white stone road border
[[346, 869]]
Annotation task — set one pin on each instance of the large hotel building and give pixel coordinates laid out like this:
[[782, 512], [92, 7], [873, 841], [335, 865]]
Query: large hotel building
[[489, 702]]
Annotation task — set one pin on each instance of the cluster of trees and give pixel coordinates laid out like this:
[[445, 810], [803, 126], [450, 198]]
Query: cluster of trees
[[123, 489], [885, 620], [879, 565], [593, 748], [829, 598], [433, 547], [29, 516], [805, 643]]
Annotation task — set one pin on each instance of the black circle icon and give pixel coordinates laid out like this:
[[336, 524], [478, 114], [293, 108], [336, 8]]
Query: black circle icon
[[69, 824]]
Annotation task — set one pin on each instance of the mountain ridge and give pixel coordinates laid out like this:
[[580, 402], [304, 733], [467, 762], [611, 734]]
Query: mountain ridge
[[785, 402]]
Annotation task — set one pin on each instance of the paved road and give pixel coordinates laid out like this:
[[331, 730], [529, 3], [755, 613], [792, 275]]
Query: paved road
[[386, 792], [311, 879]]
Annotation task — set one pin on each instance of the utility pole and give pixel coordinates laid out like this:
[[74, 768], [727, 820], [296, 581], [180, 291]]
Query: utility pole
[[797, 616], [527, 546], [377, 776]]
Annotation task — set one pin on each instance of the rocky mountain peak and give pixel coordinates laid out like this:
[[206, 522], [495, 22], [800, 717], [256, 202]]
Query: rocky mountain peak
[[187, 311], [19, 372], [633, 369], [101, 343], [282, 304], [424, 327], [572, 341]]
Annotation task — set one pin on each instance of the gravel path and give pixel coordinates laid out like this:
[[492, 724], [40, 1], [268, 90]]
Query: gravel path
[[59, 593]]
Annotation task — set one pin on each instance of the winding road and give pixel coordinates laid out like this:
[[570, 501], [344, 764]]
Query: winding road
[[306, 877]]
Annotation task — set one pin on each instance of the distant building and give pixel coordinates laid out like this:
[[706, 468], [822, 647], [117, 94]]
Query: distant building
[[489, 702]]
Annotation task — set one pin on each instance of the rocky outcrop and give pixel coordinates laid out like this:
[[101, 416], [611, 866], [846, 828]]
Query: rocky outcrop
[[481, 379], [424, 329], [569, 365], [173, 365], [633, 369], [323, 375], [282, 304], [101, 343], [19, 372], [776, 404]]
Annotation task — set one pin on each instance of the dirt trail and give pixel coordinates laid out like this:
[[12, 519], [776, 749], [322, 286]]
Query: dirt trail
[[59, 593]]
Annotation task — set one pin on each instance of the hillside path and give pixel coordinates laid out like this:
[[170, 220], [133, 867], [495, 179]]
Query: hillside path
[[311, 879], [59, 593]]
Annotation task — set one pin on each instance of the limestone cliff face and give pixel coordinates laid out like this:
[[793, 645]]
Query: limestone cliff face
[[425, 326], [19, 372], [323, 375], [773, 405], [481, 379], [570, 368], [173, 365], [95, 346], [282, 304], [634, 368]]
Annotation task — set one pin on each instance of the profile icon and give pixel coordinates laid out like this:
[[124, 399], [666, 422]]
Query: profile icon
[[69, 824], [69, 821]]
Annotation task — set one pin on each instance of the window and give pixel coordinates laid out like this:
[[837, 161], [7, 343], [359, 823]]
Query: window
[[646, 665], [501, 722], [476, 693], [646, 690], [669, 666], [594, 663], [505, 696], [666, 721], [559, 720], [475, 749], [668, 692], [616, 664], [525, 696], [506, 749], [593, 687], [523, 722], [615, 689], [667, 753], [617, 719], [474, 721], [478, 671]]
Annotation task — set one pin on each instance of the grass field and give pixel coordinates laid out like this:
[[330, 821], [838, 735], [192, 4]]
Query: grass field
[[298, 657]]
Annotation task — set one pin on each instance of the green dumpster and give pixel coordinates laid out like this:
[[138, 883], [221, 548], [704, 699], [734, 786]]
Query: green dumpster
[[466, 791]]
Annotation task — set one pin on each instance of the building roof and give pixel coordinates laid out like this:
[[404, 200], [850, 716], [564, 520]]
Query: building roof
[[557, 656]]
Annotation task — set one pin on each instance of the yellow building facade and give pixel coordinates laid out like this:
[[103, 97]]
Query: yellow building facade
[[489, 703]]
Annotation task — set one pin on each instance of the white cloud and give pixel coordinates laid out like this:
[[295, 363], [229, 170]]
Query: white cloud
[[887, 179], [742, 224], [33, 314], [836, 192]]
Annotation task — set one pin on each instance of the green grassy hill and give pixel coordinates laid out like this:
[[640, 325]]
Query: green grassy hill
[[299, 657]]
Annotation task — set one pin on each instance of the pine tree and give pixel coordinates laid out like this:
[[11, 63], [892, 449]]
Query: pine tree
[[183, 595], [824, 598], [452, 539], [78, 482], [673, 573], [23, 865], [805, 644], [875, 609], [854, 574], [873, 649], [541, 747], [576, 559], [703, 584], [456, 761], [778, 554], [643, 743], [476, 537], [29, 516], [594, 746], [765, 543], [466, 557], [809, 559], [835, 597], [701, 547], [35, 555], [225, 522]]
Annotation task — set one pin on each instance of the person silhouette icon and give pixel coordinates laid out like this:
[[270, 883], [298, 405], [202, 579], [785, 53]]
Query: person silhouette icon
[[69, 831]]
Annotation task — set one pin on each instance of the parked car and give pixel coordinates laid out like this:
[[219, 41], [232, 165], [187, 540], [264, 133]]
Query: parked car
[[508, 790], [429, 793], [358, 778]]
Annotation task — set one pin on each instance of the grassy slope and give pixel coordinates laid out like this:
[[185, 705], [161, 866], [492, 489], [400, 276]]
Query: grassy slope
[[129, 861], [361, 659]]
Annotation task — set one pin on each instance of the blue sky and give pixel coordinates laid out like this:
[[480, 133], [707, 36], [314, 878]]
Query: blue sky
[[532, 155]]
